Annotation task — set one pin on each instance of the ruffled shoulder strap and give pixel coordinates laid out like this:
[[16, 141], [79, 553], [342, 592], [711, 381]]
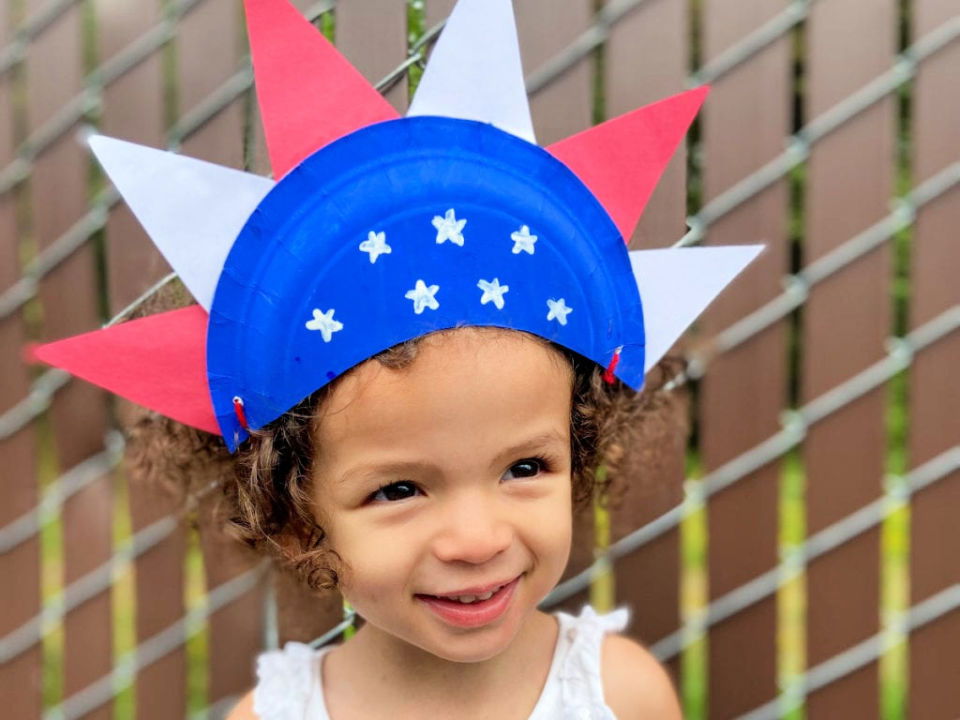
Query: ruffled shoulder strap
[[284, 682], [581, 684]]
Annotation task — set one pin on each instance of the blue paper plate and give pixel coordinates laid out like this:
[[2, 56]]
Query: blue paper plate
[[308, 289]]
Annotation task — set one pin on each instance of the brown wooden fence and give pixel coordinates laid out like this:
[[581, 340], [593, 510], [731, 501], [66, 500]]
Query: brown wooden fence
[[824, 464]]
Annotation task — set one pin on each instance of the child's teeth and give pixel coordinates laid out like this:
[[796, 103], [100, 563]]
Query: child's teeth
[[474, 598]]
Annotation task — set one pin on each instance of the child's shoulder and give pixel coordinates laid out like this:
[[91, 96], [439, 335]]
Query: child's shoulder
[[243, 710], [632, 681], [635, 684]]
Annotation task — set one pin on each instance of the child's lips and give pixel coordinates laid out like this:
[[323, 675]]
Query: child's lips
[[475, 614]]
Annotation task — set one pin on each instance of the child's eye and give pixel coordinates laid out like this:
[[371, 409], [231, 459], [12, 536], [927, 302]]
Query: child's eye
[[395, 491], [528, 467], [404, 489]]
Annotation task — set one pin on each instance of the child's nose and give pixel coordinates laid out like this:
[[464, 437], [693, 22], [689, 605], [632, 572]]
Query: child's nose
[[474, 529]]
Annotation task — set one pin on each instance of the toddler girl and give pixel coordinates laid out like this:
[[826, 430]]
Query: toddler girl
[[434, 486], [421, 341]]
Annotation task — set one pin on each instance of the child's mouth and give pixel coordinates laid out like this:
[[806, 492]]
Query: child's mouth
[[471, 610]]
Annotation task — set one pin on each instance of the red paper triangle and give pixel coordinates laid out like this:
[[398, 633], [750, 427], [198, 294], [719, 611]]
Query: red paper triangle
[[622, 160], [158, 361], [309, 94]]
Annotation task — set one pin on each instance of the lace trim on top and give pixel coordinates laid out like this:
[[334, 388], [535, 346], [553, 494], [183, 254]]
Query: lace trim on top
[[581, 684], [284, 682]]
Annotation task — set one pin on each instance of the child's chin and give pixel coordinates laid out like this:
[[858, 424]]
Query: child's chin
[[475, 645], [471, 650]]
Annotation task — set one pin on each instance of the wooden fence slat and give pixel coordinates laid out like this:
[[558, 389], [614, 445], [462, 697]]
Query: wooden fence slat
[[159, 586], [645, 60], [373, 36], [648, 580], [21, 678], [934, 393], [235, 632], [436, 10], [846, 323], [68, 296], [565, 106], [133, 109], [743, 392], [302, 615], [209, 49]]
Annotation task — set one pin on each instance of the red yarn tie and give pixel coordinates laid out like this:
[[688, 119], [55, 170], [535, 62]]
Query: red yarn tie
[[608, 376], [241, 415]]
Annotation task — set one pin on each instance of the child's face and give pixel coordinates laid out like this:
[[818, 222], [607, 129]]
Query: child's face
[[452, 474]]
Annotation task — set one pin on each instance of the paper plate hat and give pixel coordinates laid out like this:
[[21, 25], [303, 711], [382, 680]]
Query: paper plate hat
[[380, 229]]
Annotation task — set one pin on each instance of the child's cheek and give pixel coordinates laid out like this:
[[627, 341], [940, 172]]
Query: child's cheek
[[374, 564], [547, 532]]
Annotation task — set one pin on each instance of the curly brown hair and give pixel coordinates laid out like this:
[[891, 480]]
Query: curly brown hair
[[267, 486]]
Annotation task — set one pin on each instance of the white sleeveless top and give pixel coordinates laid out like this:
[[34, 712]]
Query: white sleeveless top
[[290, 686]]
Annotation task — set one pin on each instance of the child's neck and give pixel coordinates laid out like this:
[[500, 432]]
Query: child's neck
[[388, 671]]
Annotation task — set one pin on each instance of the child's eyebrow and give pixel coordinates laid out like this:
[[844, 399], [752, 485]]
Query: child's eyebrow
[[540, 440], [550, 437]]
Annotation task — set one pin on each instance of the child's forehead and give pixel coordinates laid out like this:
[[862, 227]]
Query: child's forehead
[[455, 355], [485, 375]]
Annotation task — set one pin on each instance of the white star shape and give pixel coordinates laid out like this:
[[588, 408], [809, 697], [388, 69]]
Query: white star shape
[[423, 297], [449, 228], [376, 245], [325, 323], [523, 241], [558, 310], [492, 292]]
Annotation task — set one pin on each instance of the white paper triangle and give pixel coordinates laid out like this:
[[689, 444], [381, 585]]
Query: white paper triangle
[[475, 72], [191, 209], [676, 286]]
